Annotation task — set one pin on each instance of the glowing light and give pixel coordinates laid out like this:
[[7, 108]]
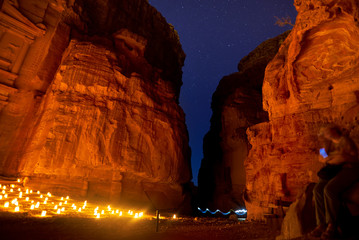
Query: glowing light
[[65, 202], [98, 215], [67, 197], [32, 207], [62, 198], [30, 191], [58, 211], [18, 180], [41, 196], [113, 212], [43, 213], [136, 215], [174, 216], [20, 195], [79, 209], [0, 197], [63, 209], [49, 194], [60, 203], [3, 191], [17, 209], [140, 214], [120, 213], [37, 205], [27, 191], [117, 211], [19, 189], [238, 212], [11, 190], [12, 185], [103, 212], [38, 192], [45, 202], [27, 199], [5, 196], [55, 207], [6, 204]]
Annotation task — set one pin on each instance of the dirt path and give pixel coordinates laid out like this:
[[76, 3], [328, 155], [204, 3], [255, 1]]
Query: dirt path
[[20, 226]]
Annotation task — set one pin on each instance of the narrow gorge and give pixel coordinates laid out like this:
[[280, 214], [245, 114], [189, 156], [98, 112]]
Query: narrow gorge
[[263, 143]]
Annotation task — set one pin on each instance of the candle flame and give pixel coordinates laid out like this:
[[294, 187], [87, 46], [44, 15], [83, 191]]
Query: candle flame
[[43, 213], [6, 204]]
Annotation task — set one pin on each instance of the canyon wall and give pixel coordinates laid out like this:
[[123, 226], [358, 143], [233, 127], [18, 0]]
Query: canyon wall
[[89, 102], [312, 81], [236, 105]]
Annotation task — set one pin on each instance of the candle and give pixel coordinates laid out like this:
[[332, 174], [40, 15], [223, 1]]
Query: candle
[[43, 213], [17, 209]]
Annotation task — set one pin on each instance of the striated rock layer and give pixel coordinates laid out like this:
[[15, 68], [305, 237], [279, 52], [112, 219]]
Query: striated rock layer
[[92, 108], [313, 80], [236, 105]]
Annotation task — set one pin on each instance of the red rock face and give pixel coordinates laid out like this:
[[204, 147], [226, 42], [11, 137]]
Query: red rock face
[[236, 105], [97, 117], [313, 80]]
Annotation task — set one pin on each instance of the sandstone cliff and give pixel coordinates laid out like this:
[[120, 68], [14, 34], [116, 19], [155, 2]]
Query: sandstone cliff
[[313, 80], [92, 109], [236, 105]]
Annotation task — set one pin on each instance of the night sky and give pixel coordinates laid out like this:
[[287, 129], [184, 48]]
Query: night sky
[[216, 35]]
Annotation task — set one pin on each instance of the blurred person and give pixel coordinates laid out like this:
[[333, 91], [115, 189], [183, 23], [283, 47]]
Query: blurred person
[[341, 170]]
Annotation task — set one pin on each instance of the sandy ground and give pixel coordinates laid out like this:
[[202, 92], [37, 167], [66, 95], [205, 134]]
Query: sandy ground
[[21, 226]]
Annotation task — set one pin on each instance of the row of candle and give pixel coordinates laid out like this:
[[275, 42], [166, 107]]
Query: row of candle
[[29, 200]]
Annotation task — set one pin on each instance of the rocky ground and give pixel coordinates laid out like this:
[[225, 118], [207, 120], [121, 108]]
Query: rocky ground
[[21, 226]]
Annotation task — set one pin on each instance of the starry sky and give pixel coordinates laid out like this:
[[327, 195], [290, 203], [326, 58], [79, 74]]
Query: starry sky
[[216, 35]]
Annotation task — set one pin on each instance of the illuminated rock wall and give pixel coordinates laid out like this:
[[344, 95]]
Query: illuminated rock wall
[[98, 115], [236, 105], [313, 80]]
